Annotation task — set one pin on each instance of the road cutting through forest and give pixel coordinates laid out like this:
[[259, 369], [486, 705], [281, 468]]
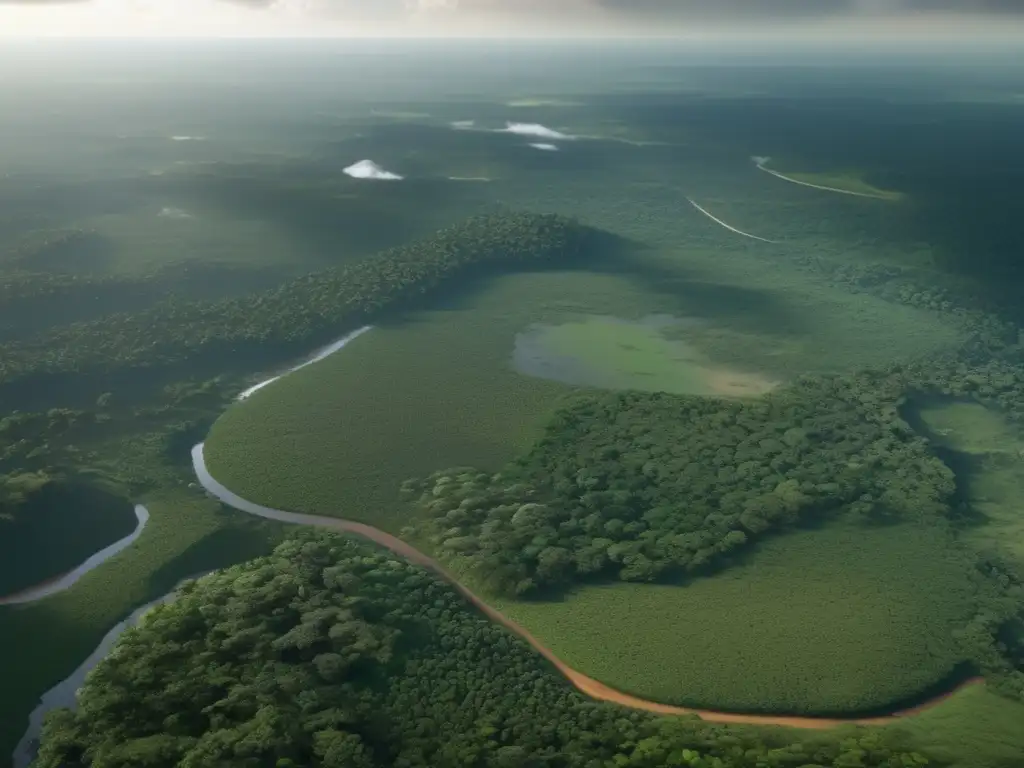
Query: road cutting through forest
[[583, 683]]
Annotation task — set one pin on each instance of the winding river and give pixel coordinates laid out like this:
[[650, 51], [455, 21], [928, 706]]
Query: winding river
[[316, 357], [61, 583]]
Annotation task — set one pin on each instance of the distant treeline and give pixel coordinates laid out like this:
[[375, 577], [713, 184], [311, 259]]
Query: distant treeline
[[32, 302], [299, 313]]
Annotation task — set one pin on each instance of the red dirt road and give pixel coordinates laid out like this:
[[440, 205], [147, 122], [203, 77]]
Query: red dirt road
[[600, 691]]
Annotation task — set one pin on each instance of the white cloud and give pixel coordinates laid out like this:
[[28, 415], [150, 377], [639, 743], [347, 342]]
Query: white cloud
[[367, 169], [426, 6], [534, 129], [463, 125], [545, 147], [153, 18], [501, 18]]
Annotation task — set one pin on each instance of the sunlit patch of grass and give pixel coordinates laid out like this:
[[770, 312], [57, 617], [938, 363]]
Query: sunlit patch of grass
[[973, 729], [839, 620], [991, 470], [616, 354]]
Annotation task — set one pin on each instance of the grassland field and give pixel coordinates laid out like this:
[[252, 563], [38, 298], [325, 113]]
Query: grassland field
[[834, 620]]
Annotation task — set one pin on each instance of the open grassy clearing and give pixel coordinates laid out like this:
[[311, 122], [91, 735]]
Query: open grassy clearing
[[842, 619], [973, 729], [43, 642], [614, 354], [402, 400], [970, 427], [997, 494], [991, 466]]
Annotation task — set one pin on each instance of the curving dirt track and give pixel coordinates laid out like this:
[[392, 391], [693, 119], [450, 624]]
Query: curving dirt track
[[584, 684]]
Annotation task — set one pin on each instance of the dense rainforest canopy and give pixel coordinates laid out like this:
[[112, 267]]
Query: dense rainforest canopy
[[329, 653], [298, 313], [641, 486], [645, 487]]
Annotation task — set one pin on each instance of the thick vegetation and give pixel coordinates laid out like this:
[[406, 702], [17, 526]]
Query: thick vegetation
[[31, 302], [298, 313], [647, 486], [329, 654], [641, 487]]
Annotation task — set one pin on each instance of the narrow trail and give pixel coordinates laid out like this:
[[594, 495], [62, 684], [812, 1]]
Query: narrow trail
[[819, 186], [727, 226], [60, 583], [587, 685]]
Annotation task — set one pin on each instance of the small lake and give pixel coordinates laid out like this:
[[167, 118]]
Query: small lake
[[651, 354]]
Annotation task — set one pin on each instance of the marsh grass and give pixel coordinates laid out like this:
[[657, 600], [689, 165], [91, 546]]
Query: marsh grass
[[615, 354]]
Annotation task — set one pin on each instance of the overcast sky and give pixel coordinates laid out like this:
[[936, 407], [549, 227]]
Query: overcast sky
[[820, 18]]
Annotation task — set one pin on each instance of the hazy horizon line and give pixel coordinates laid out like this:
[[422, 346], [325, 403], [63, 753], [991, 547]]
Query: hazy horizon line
[[822, 35]]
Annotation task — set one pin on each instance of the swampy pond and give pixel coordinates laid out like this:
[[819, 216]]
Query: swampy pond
[[656, 353]]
